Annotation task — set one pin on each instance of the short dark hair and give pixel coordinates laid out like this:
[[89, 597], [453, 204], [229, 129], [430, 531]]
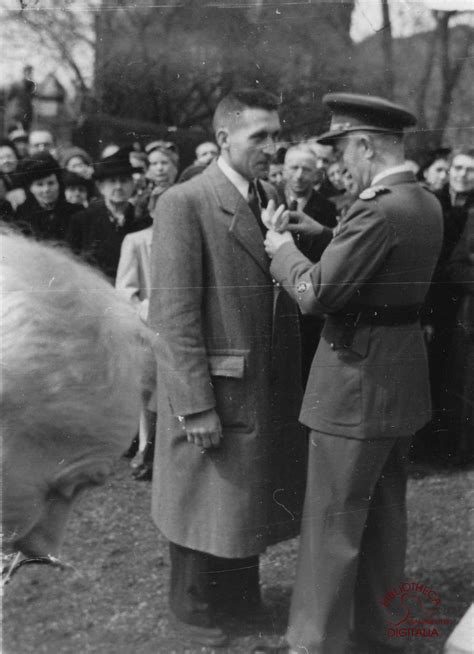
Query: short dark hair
[[236, 101]]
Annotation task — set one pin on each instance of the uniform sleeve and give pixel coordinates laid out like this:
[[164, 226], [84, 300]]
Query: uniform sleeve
[[349, 261], [175, 304], [128, 278]]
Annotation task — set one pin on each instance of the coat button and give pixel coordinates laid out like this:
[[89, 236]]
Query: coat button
[[333, 346]]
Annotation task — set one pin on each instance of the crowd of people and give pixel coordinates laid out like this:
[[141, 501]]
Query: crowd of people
[[57, 193], [292, 290]]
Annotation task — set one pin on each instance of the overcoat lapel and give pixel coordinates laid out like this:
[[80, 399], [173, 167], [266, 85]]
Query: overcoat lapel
[[243, 227]]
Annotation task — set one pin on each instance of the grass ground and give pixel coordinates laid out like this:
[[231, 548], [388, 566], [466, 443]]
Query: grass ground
[[115, 600]]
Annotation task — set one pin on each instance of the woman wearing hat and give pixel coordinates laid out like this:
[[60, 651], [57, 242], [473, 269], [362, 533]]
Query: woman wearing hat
[[97, 232], [76, 160], [45, 214]]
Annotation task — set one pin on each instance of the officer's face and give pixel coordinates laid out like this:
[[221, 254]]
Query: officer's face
[[248, 144], [436, 175], [352, 152], [461, 174], [300, 172]]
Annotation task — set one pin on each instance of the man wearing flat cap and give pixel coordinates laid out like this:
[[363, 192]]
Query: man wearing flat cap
[[97, 232], [368, 388]]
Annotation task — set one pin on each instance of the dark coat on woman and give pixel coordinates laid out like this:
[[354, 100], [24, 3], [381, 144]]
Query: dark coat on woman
[[45, 224], [97, 237], [460, 389]]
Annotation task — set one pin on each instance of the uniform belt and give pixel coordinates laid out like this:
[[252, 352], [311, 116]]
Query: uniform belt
[[386, 316], [401, 315]]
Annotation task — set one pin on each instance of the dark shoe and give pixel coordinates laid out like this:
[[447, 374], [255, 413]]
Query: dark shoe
[[144, 472], [207, 636], [132, 450]]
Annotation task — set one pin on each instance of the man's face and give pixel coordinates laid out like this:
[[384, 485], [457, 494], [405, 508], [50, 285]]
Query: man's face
[[461, 174], [324, 155], [335, 175], [41, 141], [206, 152], [275, 174], [352, 153], [116, 189], [436, 175], [250, 142], [300, 172]]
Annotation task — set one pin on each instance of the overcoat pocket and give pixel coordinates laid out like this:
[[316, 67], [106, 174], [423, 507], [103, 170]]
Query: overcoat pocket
[[234, 404]]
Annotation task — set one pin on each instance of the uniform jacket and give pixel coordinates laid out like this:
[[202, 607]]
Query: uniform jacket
[[226, 338], [94, 236], [383, 255]]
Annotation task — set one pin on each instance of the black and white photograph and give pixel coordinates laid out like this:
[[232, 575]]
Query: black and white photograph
[[237, 326]]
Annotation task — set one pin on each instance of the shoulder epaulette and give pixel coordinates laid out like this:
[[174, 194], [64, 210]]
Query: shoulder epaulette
[[372, 192]]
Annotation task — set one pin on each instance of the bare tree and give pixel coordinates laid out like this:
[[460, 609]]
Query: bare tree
[[387, 47]]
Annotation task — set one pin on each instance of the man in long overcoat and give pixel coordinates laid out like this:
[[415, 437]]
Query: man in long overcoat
[[229, 463], [368, 388]]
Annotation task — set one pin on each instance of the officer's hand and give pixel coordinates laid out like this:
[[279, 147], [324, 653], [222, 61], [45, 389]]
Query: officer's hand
[[275, 240], [300, 222], [204, 429], [271, 215]]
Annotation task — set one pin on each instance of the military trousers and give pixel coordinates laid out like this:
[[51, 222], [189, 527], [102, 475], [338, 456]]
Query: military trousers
[[353, 544]]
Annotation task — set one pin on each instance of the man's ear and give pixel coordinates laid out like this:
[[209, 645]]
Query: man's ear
[[222, 138], [366, 142]]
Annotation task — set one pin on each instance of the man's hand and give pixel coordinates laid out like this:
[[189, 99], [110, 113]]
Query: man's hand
[[271, 216], [204, 429], [274, 240], [300, 222]]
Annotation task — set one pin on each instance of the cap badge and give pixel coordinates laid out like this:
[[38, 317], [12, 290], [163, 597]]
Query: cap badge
[[371, 192]]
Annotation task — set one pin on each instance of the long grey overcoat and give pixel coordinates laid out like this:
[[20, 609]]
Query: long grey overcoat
[[227, 337]]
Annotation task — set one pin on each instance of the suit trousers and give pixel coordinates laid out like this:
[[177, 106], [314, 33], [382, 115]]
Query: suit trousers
[[353, 543], [202, 584]]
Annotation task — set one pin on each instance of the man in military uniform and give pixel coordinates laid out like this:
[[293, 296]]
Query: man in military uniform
[[368, 388]]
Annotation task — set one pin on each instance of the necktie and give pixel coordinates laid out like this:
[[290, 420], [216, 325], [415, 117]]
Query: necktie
[[254, 205]]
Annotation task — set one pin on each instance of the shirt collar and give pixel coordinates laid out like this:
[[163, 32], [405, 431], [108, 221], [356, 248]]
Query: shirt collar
[[235, 178], [394, 170]]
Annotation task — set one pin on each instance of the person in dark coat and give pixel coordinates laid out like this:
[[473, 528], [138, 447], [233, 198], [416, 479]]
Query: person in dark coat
[[300, 174], [368, 389], [230, 456], [45, 214], [440, 315], [97, 232], [460, 389]]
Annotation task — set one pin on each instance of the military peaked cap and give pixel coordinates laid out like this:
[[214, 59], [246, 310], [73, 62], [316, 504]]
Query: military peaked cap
[[352, 112]]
